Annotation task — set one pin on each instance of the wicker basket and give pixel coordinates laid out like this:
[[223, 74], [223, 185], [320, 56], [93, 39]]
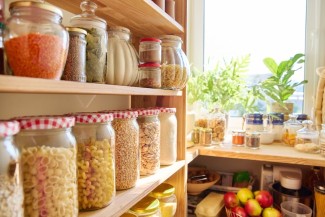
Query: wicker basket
[[232, 214]]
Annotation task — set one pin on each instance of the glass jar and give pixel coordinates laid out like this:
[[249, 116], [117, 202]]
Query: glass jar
[[205, 136], [322, 140], [11, 188], [75, 67], [307, 139], [30, 41], [96, 40], [253, 140], [186, 70], [165, 193], [238, 138], [172, 65], [96, 165], [150, 75], [195, 136], [290, 128], [277, 120], [168, 136], [150, 50], [253, 122], [147, 207], [49, 164], [122, 58], [217, 122], [127, 151]]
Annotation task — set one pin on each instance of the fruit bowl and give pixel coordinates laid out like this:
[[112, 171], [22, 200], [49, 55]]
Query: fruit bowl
[[200, 179]]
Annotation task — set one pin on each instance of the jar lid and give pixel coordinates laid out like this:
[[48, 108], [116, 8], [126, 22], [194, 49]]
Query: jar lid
[[8, 128], [45, 122], [123, 114], [93, 117], [76, 29], [149, 65], [320, 187], [170, 37], [208, 130], [290, 180], [32, 4], [302, 117], [145, 112], [253, 134], [146, 205], [150, 39], [238, 131], [163, 190], [167, 110], [119, 28]]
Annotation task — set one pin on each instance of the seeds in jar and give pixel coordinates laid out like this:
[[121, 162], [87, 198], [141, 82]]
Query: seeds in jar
[[171, 76], [96, 185], [150, 55], [149, 82], [49, 181]]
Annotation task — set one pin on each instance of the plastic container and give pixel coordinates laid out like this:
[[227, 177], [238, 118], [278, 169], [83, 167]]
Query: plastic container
[[147, 207], [165, 193], [322, 140], [307, 139], [30, 42], [49, 164], [96, 166], [11, 188], [150, 75], [150, 50], [96, 40], [290, 129], [253, 140], [295, 209], [210, 206], [277, 120]]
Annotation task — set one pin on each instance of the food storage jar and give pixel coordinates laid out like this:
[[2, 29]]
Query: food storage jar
[[205, 136], [168, 136], [253, 122], [147, 207], [307, 139], [322, 140], [253, 140], [238, 138], [31, 42], [150, 50], [195, 135], [165, 193], [277, 120], [75, 67], [127, 151], [217, 122], [290, 128], [186, 70], [149, 130], [150, 75], [122, 58], [96, 165], [11, 188], [49, 164], [96, 48]]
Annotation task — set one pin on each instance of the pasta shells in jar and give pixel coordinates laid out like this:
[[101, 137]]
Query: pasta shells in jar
[[96, 165], [48, 160]]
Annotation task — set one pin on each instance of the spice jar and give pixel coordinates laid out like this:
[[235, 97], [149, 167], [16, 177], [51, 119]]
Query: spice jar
[[217, 122], [11, 189], [277, 120], [150, 50], [75, 67], [30, 42], [195, 136], [238, 137], [96, 165], [253, 140], [165, 193], [307, 139], [289, 130], [127, 153], [49, 164], [150, 75], [168, 135], [322, 140], [96, 40], [205, 136], [147, 207]]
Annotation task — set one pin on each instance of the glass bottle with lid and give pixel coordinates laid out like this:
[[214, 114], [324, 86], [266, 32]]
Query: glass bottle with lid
[[165, 193], [11, 189], [147, 207], [96, 40], [96, 165], [30, 41], [290, 130], [307, 139]]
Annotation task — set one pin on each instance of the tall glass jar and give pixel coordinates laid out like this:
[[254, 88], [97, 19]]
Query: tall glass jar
[[49, 164], [186, 70], [290, 129], [96, 40], [31, 41], [122, 58], [127, 152], [165, 193], [168, 136], [96, 165], [322, 140], [147, 207], [307, 139], [11, 188], [217, 122]]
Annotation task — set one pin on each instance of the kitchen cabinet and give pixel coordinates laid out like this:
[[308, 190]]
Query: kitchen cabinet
[[144, 19]]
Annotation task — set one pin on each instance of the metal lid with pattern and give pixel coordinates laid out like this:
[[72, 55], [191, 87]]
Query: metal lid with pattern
[[45, 122], [93, 117], [8, 128]]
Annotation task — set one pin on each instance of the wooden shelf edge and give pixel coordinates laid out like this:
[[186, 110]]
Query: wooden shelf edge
[[15, 84], [191, 153], [127, 198]]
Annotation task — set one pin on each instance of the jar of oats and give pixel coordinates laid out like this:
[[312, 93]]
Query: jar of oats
[[127, 152], [11, 189], [96, 165], [49, 164]]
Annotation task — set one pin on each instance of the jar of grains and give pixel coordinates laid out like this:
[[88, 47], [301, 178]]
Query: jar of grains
[[127, 153], [307, 139], [150, 50], [322, 140], [11, 189], [150, 75], [49, 164], [165, 193], [30, 42], [147, 207], [149, 130], [96, 165], [75, 67], [96, 48], [168, 136], [290, 128]]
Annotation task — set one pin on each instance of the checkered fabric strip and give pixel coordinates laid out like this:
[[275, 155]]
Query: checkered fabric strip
[[124, 114], [147, 112], [9, 128], [167, 110], [93, 117], [46, 122]]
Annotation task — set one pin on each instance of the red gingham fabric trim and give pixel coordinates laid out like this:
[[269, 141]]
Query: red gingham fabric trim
[[144, 111], [45, 122], [123, 114], [9, 128], [166, 110], [93, 117]]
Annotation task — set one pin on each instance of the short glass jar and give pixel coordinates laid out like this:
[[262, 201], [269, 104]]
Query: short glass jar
[[322, 140], [195, 135], [253, 140], [165, 193], [49, 164], [150, 50], [150, 75], [147, 207], [238, 138], [307, 139], [290, 129], [29, 42], [96, 165], [11, 188], [205, 136]]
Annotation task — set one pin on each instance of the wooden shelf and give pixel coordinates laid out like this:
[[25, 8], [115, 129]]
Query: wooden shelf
[[14, 84], [127, 198], [142, 17], [191, 153]]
